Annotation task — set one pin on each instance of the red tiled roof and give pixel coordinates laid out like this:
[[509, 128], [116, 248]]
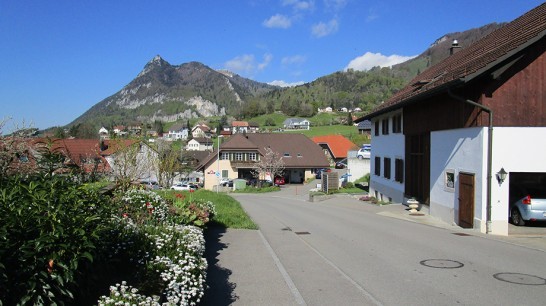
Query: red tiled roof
[[81, 152], [338, 144], [239, 123], [465, 65], [115, 145]]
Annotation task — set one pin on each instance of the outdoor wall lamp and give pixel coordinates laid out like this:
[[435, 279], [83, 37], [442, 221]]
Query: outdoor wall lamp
[[501, 176]]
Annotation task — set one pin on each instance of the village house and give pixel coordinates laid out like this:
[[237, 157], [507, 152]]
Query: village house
[[199, 144], [177, 132], [464, 133], [335, 147], [201, 130], [238, 155], [296, 124]]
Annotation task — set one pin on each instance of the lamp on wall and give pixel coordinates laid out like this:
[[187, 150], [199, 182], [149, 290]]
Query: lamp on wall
[[501, 176]]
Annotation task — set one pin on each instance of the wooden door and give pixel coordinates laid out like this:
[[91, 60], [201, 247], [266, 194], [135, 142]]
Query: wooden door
[[466, 200]]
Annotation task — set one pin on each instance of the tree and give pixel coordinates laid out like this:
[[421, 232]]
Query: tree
[[131, 162], [271, 163], [168, 163], [350, 119]]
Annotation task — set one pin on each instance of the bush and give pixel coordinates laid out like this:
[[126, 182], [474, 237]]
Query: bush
[[50, 231]]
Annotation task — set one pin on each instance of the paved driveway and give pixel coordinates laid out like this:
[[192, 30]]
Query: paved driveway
[[342, 252]]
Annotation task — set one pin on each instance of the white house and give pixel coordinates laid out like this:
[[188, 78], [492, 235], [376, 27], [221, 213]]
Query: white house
[[177, 132], [296, 123], [199, 144], [446, 138]]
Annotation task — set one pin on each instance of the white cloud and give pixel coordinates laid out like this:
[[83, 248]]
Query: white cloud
[[277, 21], [241, 64], [285, 84], [299, 5], [267, 59], [293, 60], [370, 60], [247, 64], [322, 29]]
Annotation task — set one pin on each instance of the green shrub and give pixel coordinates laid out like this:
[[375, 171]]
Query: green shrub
[[50, 229]]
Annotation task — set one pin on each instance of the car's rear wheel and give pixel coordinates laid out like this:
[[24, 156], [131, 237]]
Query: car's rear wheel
[[516, 218]]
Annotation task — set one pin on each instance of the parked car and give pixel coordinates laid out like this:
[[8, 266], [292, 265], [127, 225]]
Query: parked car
[[279, 180], [530, 207], [342, 164], [364, 152], [183, 186], [152, 185], [228, 183]]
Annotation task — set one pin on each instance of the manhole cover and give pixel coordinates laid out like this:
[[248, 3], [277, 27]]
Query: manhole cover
[[520, 279], [442, 263], [302, 233], [416, 214]]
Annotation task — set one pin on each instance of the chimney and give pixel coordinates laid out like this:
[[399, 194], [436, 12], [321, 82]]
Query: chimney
[[454, 47]]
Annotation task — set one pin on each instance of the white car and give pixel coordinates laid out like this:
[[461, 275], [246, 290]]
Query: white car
[[364, 152], [182, 186]]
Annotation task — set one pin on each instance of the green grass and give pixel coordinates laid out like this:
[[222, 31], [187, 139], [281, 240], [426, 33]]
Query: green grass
[[229, 213], [257, 190]]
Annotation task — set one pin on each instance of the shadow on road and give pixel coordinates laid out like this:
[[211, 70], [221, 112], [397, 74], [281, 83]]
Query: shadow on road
[[219, 290]]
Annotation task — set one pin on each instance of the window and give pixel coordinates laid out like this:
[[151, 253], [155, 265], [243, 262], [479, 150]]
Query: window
[[224, 156], [399, 170], [252, 156], [376, 128], [286, 154], [239, 156], [224, 173], [377, 166], [385, 126], [397, 123], [387, 167]]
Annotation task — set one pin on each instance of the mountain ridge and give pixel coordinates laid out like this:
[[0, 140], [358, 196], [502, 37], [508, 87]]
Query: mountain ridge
[[167, 93]]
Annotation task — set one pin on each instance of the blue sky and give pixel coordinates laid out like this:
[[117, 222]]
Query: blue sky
[[59, 58]]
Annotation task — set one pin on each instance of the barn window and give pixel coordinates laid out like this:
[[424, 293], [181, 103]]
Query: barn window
[[377, 166], [385, 126], [399, 170]]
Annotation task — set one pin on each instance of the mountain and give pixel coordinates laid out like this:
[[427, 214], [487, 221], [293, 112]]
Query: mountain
[[366, 89], [167, 93]]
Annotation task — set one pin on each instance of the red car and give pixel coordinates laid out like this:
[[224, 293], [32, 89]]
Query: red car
[[279, 180]]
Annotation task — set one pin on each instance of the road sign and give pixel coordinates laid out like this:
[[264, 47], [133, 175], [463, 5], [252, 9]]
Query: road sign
[[218, 174]]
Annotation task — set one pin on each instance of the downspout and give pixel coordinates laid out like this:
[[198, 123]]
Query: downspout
[[489, 153]]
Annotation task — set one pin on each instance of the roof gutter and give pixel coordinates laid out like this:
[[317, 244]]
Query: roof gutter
[[489, 153]]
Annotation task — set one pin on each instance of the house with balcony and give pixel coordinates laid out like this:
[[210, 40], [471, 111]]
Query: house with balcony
[[238, 155]]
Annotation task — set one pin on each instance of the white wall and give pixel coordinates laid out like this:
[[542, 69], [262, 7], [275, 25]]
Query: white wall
[[516, 149], [460, 150], [393, 146]]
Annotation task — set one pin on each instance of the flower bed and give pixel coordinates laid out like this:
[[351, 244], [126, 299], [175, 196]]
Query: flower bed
[[66, 245]]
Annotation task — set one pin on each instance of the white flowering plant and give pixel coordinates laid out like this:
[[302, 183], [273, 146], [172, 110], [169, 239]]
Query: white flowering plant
[[169, 265]]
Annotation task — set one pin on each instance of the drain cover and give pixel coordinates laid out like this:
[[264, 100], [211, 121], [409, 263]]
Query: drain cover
[[520, 279], [302, 233], [442, 263]]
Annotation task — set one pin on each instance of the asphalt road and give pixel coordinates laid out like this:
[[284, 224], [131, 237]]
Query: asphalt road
[[342, 253]]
